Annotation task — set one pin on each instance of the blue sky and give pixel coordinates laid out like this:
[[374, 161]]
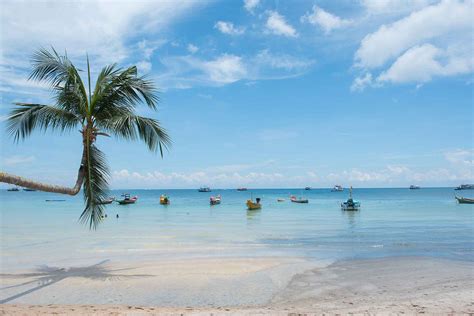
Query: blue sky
[[262, 93]]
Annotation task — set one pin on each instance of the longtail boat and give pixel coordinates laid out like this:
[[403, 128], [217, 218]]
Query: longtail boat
[[214, 200], [164, 199], [127, 199], [350, 204], [463, 200], [251, 205], [294, 199]]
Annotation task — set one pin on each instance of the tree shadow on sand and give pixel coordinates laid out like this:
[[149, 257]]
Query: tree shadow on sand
[[46, 276]]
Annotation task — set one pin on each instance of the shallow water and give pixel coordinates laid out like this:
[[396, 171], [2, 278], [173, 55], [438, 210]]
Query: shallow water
[[391, 222]]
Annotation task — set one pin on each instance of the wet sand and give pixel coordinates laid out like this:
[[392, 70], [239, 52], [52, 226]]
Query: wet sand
[[238, 286]]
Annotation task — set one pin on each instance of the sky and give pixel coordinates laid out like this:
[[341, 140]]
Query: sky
[[260, 93]]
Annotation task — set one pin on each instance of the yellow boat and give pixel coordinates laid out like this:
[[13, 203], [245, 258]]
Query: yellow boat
[[164, 200], [254, 206]]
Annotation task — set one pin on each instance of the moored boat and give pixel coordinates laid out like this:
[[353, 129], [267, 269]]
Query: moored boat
[[414, 187], [337, 188], [294, 199], [107, 201], [307, 188], [280, 200], [204, 189], [241, 189], [465, 187], [13, 189], [350, 204], [251, 205], [127, 199], [214, 200], [164, 199], [463, 200]]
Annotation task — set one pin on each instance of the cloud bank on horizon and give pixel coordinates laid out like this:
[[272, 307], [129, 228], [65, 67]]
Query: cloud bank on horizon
[[205, 47]]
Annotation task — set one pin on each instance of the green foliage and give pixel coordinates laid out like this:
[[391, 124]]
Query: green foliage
[[110, 109]]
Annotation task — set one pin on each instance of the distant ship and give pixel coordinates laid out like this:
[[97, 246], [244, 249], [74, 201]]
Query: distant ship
[[465, 187], [13, 189], [204, 189], [414, 187], [307, 188], [337, 188], [241, 189]]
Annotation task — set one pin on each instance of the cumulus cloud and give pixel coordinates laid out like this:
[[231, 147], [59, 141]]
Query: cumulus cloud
[[250, 5], [229, 28], [431, 42], [325, 20], [421, 63], [448, 18], [276, 24]]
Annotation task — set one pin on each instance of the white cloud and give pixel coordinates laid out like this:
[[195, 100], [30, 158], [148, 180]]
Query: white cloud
[[18, 160], [421, 63], [144, 66], [429, 43], [361, 82], [250, 5], [392, 6], [184, 72], [461, 157], [229, 28], [282, 61], [325, 20], [225, 69], [192, 48], [276, 24], [448, 18]]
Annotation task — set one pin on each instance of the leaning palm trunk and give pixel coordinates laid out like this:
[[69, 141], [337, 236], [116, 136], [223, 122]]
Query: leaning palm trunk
[[109, 109], [26, 183]]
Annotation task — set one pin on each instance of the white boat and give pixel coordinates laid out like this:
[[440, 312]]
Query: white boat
[[337, 188]]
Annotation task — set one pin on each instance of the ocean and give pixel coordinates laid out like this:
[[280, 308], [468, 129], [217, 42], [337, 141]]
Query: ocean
[[391, 222]]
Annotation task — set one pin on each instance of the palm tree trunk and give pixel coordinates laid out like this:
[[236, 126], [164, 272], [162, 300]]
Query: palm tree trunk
[[26, 183]]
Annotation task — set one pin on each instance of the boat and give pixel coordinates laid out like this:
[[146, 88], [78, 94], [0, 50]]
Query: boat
[[414, 187], [127, 199], [280, 200], [107, 201], [350, 204], [465, 187], [241, 189], [294, 199], [463, 200], [204, 189], [307, 188], [164, 199], [214, 200], [29, 190], [251, 205], [337, 188], [13, 189]]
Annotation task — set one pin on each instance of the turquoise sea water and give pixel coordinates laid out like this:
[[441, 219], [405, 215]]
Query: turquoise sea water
[[391, 222]]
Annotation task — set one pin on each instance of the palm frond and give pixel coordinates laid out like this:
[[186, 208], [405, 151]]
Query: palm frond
[[27, 117], [131, 127], [95, 187], [117, 87]]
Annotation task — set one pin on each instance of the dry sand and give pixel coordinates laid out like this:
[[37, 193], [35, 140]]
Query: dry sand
[[245, 287]]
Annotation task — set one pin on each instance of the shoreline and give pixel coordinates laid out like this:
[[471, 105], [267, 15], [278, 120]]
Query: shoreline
[[259, 286]]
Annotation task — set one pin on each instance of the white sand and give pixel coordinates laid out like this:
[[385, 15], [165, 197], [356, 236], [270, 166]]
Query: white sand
[[246, 286]]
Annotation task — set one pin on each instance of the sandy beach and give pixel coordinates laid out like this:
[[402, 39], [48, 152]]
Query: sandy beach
[[234, 286]]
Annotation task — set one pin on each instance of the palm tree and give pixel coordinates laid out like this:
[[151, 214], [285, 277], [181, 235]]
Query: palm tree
[[109, 110]]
